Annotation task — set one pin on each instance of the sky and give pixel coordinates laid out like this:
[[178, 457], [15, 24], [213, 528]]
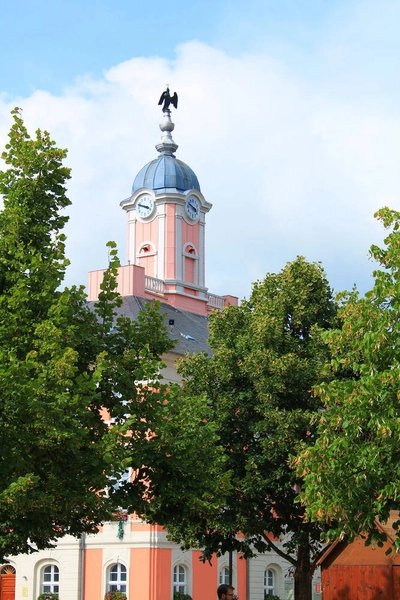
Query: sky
[[289, 114]]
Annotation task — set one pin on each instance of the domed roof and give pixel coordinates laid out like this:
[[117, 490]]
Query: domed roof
[[166, 171]]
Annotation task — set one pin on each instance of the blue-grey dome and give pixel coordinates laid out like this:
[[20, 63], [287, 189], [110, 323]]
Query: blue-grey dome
[[166, 171]]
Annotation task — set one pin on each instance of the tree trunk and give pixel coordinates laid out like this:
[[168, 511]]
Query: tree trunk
[[303, 574]]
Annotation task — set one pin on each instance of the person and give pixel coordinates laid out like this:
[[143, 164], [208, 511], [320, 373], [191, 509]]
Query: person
[[225, 592]]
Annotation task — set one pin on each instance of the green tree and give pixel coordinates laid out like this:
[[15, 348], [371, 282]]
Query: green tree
[[62, 365], [224, 444], [352, 474]]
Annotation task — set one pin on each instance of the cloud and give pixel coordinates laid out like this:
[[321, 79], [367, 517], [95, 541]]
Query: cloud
[[290, 167]]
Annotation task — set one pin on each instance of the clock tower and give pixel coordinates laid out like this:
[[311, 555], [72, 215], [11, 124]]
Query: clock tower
[[165, 239], [166, 215]]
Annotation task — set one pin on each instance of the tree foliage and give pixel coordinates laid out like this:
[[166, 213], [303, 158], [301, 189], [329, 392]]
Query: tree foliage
[[224, 445], [352, 474], [60, 367]]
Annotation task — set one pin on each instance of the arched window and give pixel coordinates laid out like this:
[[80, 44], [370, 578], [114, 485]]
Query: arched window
[[50, 579], [269, 582], [224, 575], [180, 580], [146, 257], [116, 578], [190, 264]]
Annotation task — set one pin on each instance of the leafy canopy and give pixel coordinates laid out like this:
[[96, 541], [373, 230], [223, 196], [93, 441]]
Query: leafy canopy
[[352, 474], [60, 368], [219, 459]]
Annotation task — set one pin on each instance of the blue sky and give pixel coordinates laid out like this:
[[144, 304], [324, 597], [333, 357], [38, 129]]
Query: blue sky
[[289, 115], [50, 43], [47, 44]]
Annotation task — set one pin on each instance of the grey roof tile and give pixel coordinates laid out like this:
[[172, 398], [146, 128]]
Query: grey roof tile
[[190, 330]]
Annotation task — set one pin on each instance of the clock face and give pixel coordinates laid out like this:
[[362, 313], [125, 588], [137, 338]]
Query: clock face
[[192, 207], [145, 206]]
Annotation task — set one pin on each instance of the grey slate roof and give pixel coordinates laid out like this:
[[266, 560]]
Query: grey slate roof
[[188, 329]]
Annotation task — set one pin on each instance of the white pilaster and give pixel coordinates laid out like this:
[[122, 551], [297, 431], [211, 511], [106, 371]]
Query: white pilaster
[[131, 242], [178, 249], [161, 243]]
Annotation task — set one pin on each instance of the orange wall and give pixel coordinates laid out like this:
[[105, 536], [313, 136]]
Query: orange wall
[[93, 574], [163, 578], [139, 587], [153, 569], [143, 526], [241, 590], [204, 578], [358, 583]]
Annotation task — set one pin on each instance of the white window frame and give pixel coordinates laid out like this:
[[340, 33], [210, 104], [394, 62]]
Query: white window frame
[[269, 581], [180, 579], [50, 579], [120, 582], [223, 576]]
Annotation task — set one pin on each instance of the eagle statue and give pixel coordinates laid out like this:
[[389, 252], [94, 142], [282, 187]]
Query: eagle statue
[[168, 99]]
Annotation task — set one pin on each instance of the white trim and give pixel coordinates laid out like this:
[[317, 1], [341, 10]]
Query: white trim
[[178, 248], [202, 252], [131, 242], [161, 245]]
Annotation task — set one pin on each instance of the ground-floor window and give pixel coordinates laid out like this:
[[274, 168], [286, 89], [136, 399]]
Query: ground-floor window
[[180, 579], [269, 582], [117, 578], [224, 575], [50, 579]]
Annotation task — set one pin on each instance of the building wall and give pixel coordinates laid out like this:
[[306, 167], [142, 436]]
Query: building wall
[[28, 570], [149, 559], [361, 572], [283, 580], [357, 553], [365, 582], [169, 374]]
